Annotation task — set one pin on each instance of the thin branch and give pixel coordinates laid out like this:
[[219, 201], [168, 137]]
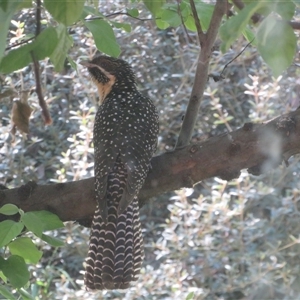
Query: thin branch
[[182, 22], [20, 43], [236, 57], [117, 14], [36, 68], [38, 17], [201, 34], [38, 89], [201, 75]]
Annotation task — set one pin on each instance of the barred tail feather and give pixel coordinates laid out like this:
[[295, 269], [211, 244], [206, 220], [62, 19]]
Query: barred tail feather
[[116, 249]]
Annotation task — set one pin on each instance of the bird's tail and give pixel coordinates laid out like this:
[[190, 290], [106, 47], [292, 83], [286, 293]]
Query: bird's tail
[[116, 249]]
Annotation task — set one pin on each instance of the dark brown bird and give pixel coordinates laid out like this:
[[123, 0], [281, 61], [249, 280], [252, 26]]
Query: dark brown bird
[[125, 139]]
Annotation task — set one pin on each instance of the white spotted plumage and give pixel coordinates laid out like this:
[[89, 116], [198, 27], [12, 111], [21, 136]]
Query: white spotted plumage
[[125, 138]]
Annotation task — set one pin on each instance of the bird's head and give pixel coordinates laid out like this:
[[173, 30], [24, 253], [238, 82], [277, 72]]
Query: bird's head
[[110, 73]]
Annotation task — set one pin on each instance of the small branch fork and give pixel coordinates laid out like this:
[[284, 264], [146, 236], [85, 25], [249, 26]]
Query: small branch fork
[[206, 41]]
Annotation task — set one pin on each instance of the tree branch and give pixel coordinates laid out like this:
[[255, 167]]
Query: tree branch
[[36, 68], [201, 76], [201, 34], [253, 147]]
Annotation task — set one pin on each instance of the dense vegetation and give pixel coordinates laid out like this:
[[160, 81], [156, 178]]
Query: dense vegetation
[[218, 240]]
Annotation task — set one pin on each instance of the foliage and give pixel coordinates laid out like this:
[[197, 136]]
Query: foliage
[[55, 41], [236, 240], [13, 268]]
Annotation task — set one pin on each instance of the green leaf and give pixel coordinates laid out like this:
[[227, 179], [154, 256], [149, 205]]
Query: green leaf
[[286, 9], [232, 28], [72, 63], [16, 59], [25, 295], [190, 296], [204, 11], [161, 24], [7, 9], [171, 16], [65, 11], [42, 47], [39, 221], [249, 35], [52, 241], [50, 221], [276, 43], [154, 6], [16, 271], [9, 209], [45, 43], [33, 223], [8, 231], [133, 12], [24, 247], [190, 23], [6, 293], [2, 276], [104, 37], [59, 54], [125, 26], [297, 2]]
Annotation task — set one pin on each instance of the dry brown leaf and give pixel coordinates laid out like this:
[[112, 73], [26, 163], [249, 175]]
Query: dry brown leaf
[[21, 112]]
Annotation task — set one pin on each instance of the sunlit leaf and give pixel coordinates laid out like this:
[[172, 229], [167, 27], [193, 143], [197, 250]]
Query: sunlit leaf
[[190, 296], [24, 247], [161, 24]]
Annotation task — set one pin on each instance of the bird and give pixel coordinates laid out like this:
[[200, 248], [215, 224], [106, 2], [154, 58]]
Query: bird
[[125, 139]]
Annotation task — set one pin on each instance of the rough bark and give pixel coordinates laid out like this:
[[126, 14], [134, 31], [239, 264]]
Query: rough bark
[[256, 147]]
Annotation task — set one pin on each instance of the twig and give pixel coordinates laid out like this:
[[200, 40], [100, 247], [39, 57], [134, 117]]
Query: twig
[[19, 43], [38, 89], [236, 57], [201, 75], [36, 68], [182, 22], [38, 17], [201, 35], [117, 14]]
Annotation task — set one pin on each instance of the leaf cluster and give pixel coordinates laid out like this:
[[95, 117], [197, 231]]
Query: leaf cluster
[[13, 267]]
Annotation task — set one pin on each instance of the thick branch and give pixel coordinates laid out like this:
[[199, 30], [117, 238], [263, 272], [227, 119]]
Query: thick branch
[[255, 147], [201, 75]]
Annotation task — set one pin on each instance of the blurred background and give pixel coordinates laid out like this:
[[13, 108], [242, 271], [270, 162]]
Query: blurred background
[[219, 240]]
